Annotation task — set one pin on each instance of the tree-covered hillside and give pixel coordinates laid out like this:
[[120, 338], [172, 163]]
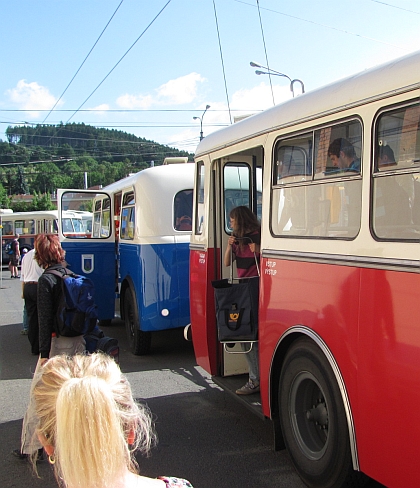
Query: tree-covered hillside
[[38, 160]]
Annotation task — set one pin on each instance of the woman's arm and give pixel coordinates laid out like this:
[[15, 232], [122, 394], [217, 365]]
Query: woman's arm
[[228, 251]]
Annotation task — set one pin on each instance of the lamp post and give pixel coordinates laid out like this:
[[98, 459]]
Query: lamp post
[[277, 73], [201, 122]]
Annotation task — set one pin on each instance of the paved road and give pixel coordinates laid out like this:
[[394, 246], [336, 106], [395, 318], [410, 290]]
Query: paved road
[[204, 434]]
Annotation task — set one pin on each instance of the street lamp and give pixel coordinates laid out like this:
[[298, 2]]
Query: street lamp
[[201, 122], [277, 73]]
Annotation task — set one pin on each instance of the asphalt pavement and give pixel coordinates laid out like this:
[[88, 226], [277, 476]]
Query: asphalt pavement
[[204, 435]]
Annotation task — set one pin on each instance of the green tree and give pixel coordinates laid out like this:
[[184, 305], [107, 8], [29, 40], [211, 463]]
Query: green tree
[[42, 202], [4, 200], [48, 179], [20, 186]]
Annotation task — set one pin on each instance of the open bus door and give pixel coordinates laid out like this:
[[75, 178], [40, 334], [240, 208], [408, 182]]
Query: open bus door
[[238, 183], [92, 252], [221, 184]]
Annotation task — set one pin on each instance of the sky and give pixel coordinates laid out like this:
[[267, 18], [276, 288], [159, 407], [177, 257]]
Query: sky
[[147, 67]]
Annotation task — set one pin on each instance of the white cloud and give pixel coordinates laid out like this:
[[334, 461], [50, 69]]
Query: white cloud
[[179, 91], [260, 97], [135, 101], [31, 96]]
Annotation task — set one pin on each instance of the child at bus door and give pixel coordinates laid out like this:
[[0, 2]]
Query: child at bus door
[[245, 224]]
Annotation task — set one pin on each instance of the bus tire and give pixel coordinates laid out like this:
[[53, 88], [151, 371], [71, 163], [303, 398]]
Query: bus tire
[[313, 419], [139, 341]]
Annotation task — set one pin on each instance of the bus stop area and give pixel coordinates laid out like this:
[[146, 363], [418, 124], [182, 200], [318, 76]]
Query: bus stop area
[[204, 435]]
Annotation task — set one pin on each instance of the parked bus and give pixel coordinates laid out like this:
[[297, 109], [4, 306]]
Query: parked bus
[[137, 253], [339, 334], [29, 224]]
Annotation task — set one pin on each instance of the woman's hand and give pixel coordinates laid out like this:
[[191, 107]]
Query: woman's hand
[[255, 248], [231, 240]]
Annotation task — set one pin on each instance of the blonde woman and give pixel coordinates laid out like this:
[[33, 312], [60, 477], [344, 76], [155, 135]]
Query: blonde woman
[[90, 425]]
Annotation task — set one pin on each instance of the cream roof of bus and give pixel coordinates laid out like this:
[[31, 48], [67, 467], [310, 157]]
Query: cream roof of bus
[[155, 189], [402, 74], [169, 175]]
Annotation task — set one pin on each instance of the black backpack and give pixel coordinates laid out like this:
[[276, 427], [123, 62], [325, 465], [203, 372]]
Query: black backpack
[[96, 341], [77, 311]]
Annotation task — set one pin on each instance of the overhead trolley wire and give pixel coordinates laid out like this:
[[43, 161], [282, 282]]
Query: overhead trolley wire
[[322, 25], [221, 57], [122, 57], [80, 67]]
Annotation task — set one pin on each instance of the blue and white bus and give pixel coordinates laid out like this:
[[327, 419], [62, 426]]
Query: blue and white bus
[[137, 253]]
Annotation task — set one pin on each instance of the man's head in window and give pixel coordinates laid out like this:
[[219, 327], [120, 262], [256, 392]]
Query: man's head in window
[[386, 157], [343, 156]]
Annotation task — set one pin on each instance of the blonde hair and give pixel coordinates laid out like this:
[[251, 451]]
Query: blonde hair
[[86, 412]]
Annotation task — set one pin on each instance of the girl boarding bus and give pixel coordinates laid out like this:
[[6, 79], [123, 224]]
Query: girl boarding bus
[[137, 253], [339, 335], [29, 224]]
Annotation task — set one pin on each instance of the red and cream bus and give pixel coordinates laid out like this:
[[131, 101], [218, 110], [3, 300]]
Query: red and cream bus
[[29, 224], [339, 316]]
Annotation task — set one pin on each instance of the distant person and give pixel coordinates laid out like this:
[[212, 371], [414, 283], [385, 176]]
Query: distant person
[[24, 330], [343, 155], [392, 213], [30, 272], [244, 243], [90, 425], [14, 258], [48, 254], [386, 157]]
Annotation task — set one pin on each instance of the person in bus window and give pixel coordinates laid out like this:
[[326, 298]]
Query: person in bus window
[[392, 202], [90, 425], [246, 226], [343, 155]]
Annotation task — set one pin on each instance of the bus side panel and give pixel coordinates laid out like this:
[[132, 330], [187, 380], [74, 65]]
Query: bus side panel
[[159, 285], [322, 297], [103, 274], [203, 319], [389, 374]]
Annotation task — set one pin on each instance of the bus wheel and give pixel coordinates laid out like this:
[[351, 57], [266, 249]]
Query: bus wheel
[[139, 341], [313, 419]]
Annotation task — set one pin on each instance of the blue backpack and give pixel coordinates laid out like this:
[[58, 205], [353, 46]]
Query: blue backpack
[[77, 311]]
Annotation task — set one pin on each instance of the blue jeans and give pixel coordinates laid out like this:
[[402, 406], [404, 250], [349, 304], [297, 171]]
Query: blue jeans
[[252, 360]]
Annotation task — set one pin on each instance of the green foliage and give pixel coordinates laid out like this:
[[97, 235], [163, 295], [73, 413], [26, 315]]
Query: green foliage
[[60, 156], [20, 185], [4, 200]]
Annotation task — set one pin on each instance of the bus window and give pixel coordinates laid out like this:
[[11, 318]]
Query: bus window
[[309, 206], [106, 218], [23, 227], [183, 210], [293, 160], [346, 140], [236, 189], [199, 219], [128, 214], [66, 225], [396, 173]]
